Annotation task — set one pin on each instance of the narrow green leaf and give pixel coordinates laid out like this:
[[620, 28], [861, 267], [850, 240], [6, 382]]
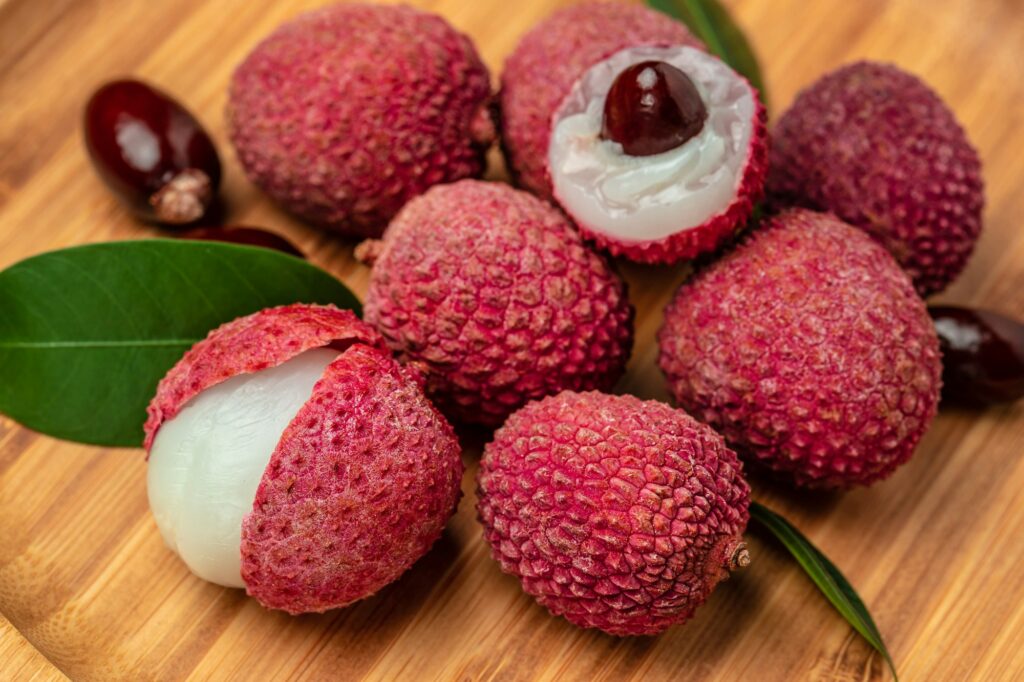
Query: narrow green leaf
[[712, 23], [826, 576], [87, 332]]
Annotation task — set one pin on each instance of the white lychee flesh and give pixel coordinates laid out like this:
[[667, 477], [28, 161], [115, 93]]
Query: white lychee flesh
[[644, 198], [206, 462]]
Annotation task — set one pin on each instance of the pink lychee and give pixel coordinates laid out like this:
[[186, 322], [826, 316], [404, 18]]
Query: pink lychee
[[877, 147], [345, 113], [617, 513], [809, 350], [495, 296]]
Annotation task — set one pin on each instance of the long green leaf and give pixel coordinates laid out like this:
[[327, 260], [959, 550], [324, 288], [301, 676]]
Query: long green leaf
[[712, 23], [87, 332], [826, 576]]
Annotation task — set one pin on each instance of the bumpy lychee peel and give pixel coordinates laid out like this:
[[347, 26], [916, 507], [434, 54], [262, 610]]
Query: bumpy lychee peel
[[251, 343], [360, 487], [495, 296], [809, 350], [550, 58], [671, 206], [877, 147], [343, 114], [617, 513]]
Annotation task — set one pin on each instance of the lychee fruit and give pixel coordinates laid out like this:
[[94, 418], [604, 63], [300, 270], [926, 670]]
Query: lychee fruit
[[551, 58], [809, 350], [345, 113], [877, 147], [495, 296], [655, 148], [617, 513], [290, 454]]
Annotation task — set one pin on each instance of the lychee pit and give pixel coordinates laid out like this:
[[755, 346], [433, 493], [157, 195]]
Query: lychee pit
[[651, 108]]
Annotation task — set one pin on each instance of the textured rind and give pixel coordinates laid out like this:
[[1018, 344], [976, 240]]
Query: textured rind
[[495, 296], [551, 57], [264, 339], [359, 487], [809, 350], [617, 513], [714, 232], [345, 113], [880, 149]]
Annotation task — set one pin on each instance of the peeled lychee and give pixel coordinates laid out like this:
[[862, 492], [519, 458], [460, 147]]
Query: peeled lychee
[[655, 148], [617, 513], [552, 57], [877, 147], [809, 350], [345, 113], [492, 293], [291, 455], [672, 205]]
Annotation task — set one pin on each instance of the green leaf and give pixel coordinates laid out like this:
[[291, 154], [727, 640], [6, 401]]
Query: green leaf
[[711, 22], [87, 332], [826, 576]]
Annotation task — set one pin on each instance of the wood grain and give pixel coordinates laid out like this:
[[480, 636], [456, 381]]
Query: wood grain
[[84, 577], [21, 660]]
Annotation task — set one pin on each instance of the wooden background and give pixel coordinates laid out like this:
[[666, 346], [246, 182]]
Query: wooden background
[[936, 551]]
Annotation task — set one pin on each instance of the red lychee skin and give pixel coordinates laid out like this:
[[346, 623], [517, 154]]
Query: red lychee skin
[[552, 57], [877, 147], [364, 477], [809, 350], [617, 513], [249, 344], [714, 232], [493, 293], [360, 486], [345, 113]]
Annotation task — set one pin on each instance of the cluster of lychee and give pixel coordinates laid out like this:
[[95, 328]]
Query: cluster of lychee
[[307, 455]]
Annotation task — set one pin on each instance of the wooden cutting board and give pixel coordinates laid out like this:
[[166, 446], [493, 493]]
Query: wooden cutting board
[[936, 551]]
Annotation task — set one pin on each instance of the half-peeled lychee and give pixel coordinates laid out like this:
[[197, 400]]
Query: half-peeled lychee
[[291, 455]]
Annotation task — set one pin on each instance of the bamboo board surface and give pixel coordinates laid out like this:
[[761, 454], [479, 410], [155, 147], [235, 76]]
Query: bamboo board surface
[[87, 587]]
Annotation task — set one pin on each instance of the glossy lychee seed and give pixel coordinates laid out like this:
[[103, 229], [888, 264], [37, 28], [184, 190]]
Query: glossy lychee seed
[[652, 107], [492, 292], [345, 113], [809, 350], [247, 236], [289, 453], [616, 513], [151, 152], [982, 355]]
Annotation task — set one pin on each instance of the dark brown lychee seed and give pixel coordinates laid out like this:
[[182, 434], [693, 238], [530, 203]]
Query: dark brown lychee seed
[[652, 107], [247, 236], [151, 152], [982, 355]]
